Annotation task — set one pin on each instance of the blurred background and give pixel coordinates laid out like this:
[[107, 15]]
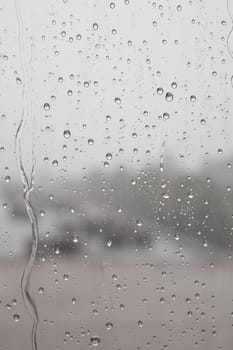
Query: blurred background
[[116, 211]]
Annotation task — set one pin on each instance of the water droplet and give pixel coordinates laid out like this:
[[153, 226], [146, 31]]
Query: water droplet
[[75, 239], [67, 134], [55, 163], [169, 96], [18, 81], [95, 341], [166, 116], [114, 277], [203, 121], [117, 100], [41, 290], [193, 98], [16, 318], [7, 178], [42, 213], [109, 243], [139, 223], [205, 243], [108, 156], [177, 237], [57, 251], [46, 107], [95, 26], [90, 142], [160, 91], [109, 326], [140, 323]]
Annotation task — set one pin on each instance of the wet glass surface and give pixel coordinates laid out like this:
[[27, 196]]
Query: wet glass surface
[[116, 209]]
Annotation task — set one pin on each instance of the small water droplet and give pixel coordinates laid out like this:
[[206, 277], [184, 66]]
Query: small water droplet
[[160, 91], [109, 326], [177, 237], [139, 223], [16, 318], [18, 81], [193, 98], [67, 134], [41, 290], [46, 107], [75, 239], [108, 156], [7, 178], [95, 341], [95, 26], [169, 97], [117, 100], [90, 142], [42, 213], [203, 121], [140, 324], [109, 243]]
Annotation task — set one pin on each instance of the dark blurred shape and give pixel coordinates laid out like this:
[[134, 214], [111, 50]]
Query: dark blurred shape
[[131, 210]]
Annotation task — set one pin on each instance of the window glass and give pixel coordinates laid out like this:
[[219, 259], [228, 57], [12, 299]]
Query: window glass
[[116, 209]]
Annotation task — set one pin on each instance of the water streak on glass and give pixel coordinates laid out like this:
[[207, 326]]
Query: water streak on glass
[[27, 181], [230, 35]]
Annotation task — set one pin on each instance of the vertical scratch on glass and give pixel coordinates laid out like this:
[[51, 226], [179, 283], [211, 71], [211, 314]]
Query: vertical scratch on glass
[[28, 182], [229, 36], [162, 156]]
